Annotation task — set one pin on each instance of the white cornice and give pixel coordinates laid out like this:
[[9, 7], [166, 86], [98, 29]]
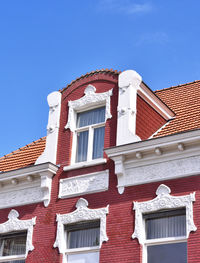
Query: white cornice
[[27, 185], [169, 157]]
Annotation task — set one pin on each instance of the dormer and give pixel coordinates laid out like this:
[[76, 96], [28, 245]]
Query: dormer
[[100, 110]]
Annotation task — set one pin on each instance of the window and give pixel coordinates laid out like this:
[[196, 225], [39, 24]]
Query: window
[[80, 234], [86, 120], [16, 238], [90, 134], [165, 233], [82, 242], [163, 226], [13, 245]]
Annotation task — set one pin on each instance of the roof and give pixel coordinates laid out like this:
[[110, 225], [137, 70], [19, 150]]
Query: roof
[[183, 99], [23, 157], [97, 71]]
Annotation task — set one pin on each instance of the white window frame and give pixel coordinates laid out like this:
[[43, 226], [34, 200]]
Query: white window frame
[[81, 214], [91, 100], [90, 129], [14, 224], [163, 201]]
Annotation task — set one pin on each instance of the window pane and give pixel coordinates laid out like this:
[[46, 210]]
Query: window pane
[[13, 245], [166, 224], [92, 257], [82, 146], [168, 253], [83, 238], [90, 117], [98, 142], [83, 234]]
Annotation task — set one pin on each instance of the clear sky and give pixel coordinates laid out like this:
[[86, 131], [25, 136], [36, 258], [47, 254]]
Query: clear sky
[[45, 44]]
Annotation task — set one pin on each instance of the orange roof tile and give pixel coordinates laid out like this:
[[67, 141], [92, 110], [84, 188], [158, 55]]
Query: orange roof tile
[[23, 157], [184, 100]]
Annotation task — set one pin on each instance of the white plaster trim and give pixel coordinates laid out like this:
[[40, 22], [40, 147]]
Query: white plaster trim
[[169, 157], [84, 184], [129, 82], [163, 201], [82, 213], [50, 152], [27, 185], [84, 164], [15, 224], [89, 101]]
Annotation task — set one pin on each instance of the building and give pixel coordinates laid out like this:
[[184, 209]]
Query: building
[[116, 179]]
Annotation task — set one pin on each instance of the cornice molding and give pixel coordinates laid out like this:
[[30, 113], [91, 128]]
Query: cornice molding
[[163, 201], [27, 185], [169, 157]]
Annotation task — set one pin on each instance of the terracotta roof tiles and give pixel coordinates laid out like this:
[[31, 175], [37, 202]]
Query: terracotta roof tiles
[[23, 157], [184, 100]]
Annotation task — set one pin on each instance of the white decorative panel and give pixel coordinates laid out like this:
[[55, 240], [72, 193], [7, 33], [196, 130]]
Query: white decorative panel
[[84, 184], [21, 197], [163, 201], [165, 170]]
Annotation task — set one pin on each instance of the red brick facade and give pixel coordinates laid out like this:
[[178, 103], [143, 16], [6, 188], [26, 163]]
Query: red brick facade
[[120, 248]]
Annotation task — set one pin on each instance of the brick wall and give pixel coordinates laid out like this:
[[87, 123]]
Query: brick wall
[[148, 121]]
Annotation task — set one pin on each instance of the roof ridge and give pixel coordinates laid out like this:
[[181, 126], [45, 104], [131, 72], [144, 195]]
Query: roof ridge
[[22, 148], [179, 85], [89, 74]]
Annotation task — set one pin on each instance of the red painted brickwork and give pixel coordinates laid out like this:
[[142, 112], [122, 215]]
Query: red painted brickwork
[[120, 221], [148, 121], [120, 248]]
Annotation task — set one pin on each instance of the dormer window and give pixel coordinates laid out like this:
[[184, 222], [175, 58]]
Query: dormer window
[[90, 134], [86, 120]]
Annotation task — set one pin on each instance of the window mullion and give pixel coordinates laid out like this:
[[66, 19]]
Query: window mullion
[[90, 143]]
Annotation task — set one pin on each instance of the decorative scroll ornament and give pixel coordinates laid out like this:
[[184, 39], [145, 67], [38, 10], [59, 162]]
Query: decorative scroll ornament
[[91, 99], [163, 201], [82, 213], [15, 224]]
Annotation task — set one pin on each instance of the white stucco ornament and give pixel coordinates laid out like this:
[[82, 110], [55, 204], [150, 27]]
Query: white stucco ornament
[[90, 100], [15, 224], [163, 201], [129, 83], [50, 152], [84, 184], [81, 214]]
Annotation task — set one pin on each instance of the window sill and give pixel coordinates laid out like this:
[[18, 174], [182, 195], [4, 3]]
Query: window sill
[[82, 250], [11, 258], [84, 164]]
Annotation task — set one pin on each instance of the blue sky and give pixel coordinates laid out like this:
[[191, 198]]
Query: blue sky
[[45, 44]]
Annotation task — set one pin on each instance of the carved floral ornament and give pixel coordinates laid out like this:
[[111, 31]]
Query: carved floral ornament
[[89, 100], [15, 224], [163, 201], [82, 213]]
